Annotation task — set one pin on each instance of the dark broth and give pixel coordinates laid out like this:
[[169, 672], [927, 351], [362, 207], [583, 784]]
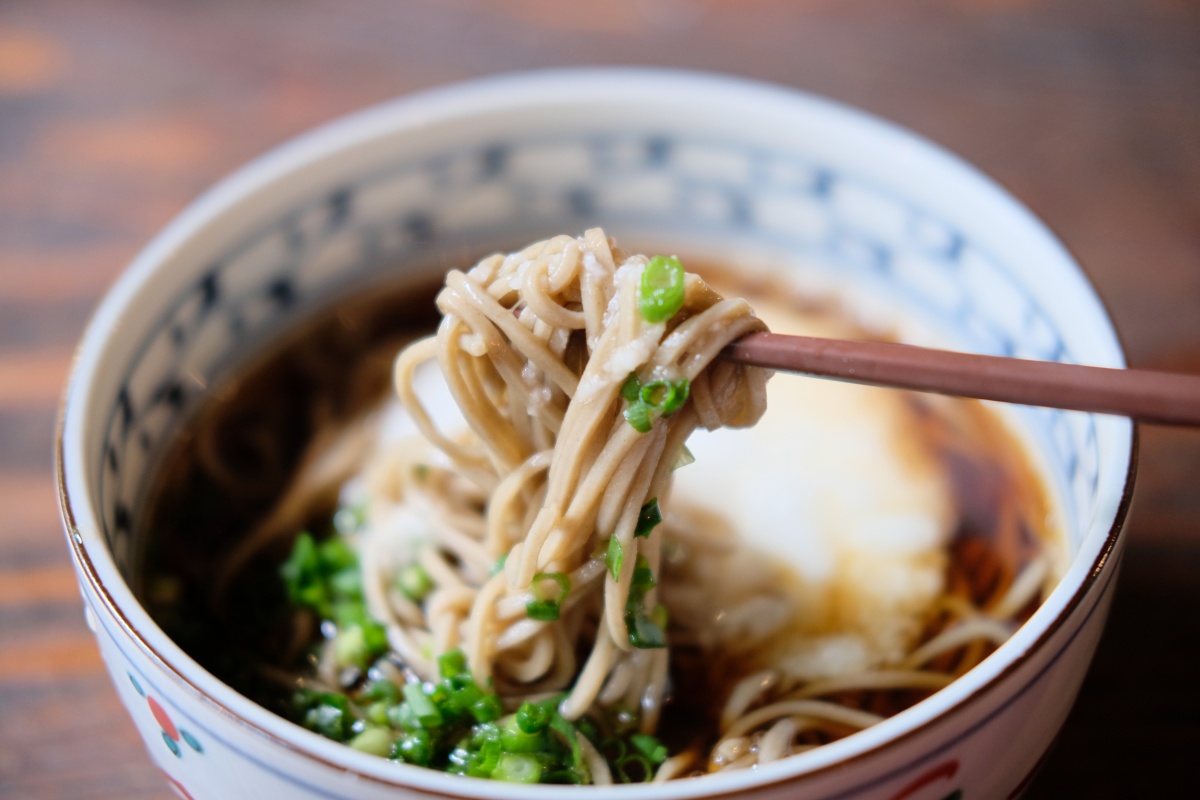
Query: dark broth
[[256, 427]]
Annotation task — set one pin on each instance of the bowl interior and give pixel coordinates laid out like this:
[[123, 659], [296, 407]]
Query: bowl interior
[[407, 190]]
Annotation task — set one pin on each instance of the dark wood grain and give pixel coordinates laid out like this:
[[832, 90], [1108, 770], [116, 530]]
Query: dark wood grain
[[115, 113]]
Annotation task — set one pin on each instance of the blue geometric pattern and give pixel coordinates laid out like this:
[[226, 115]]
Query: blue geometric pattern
[[441, 210]]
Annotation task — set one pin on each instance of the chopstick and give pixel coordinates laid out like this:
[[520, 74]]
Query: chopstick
[[1161, 397]]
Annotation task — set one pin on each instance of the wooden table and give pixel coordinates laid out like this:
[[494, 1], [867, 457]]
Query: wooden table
[[115, 113]]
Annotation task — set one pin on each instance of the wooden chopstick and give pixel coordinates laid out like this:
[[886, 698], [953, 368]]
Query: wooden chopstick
[[1160, 397]]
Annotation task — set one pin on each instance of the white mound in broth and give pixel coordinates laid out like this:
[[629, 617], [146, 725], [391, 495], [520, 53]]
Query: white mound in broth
[[832, 482]]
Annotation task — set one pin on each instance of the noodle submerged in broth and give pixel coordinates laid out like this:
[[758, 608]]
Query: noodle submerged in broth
[[502, 583]]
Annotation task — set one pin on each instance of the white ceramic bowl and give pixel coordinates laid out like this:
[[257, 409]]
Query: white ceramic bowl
[[653, 156]]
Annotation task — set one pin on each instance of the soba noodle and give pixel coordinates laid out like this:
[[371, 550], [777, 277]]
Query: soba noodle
[[537, 538]]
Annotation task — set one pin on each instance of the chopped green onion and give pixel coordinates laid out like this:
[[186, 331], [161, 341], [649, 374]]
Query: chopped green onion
[[416, 748], [485, 760], [350, 647], [464, 698], [533, 717], [650, 747], [349, 519], [656, 393], [649, 517], [377, 741], [564, 584], [336, 555], [439, 693], [516, 740], [423, 708], [666, 397], [487, 709], [659, 398], [452, 663], [631, 387], [638, 415], [614, 557], [645, 631], [346, 582], [498, 567], [661, 292], [543, 608], [643, 577], [414, 582], [560, 725], [484, 732], [375, 641], [345, 612], [517, 768], [684, 458], [376, 713], [328, 714], [360, 639], [301, 574], [639, 760], [644, 634], [613, 748], [402, 716]]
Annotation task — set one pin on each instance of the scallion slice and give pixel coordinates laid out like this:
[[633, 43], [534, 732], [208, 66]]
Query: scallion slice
[[644, 634], [517, 768], [376, 741], [414, 582], [416, 748], [650, 747], [631, 387], [661, 291], [423, 707], [643, 578], [665, 397], [515, 740], [646, 769], [485, 760], [533, 717], [452, 663], [649, 518], [487, 709], [563, 727], [645, 630], [350, 647], [614, 557], [684, 458], [637, 414], [544, 608]]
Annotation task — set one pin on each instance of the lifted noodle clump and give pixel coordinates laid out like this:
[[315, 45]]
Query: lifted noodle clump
[[580, 370]]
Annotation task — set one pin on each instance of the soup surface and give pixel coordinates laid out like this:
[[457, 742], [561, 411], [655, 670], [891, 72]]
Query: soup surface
[[858, 548]]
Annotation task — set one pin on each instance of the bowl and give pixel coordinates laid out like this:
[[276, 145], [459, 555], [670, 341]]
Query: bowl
[[731, 166]]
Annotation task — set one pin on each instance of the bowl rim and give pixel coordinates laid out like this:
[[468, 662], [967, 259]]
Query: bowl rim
[[463, 100]]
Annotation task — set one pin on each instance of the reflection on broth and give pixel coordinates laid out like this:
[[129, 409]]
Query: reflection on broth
[[855, 551]]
